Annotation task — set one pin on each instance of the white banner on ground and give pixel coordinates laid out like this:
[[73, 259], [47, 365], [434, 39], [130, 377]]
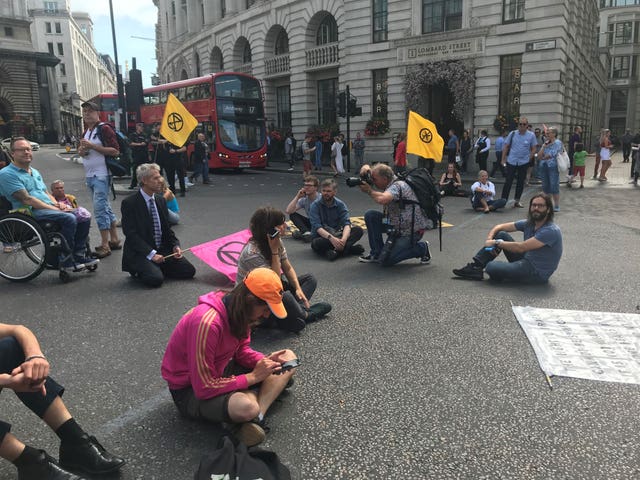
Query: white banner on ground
[[593, 345]]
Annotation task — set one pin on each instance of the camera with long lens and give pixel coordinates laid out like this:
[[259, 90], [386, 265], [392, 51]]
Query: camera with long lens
[[361, 180]]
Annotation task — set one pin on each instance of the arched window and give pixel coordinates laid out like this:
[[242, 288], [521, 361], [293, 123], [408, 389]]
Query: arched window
[[197, 61], [246, 53], [282, 43], [184, 75], [217, 64], [327, 31]]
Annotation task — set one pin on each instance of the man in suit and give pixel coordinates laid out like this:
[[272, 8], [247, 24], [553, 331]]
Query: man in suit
[[149, 238]]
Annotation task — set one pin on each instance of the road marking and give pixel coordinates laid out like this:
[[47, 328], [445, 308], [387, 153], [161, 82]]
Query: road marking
[[135, 414]]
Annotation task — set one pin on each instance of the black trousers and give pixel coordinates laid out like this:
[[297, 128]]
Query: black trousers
[[153, 274], [11, 356], [322, 245], [301, 222], [175, 166], [513, 171]]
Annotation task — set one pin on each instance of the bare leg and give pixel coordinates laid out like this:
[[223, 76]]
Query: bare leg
[[56, 414], [11, 447], [556, 199], [104, 238], [113, 232]]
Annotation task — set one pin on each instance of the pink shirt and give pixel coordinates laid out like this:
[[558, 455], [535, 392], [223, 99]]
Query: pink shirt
[[200, 348], [401, 154]]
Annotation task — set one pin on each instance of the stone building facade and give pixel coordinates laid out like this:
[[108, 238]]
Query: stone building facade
[[28, 97], [461, 63], [619, 36], [82, 72]]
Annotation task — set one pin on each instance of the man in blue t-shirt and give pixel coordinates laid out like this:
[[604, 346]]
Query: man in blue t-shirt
[[531, 261], [519, 148]]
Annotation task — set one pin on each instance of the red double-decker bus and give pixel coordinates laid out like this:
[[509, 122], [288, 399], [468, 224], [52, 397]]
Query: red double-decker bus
[[230, 110], [108, 105]]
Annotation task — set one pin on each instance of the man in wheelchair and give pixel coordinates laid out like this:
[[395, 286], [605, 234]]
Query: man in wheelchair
[[23, 186]]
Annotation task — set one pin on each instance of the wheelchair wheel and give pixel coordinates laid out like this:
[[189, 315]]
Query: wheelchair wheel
[[24, 247]]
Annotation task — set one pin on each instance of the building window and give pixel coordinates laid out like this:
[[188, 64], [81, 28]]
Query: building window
[[64, 88], [50, 47], [618, 101], [8, 31], [58, 28], [60, 49], [250, 3], [246, 53], [282, 43], [197, 62], [510, 74], [621, 67], [379, 21], [63, 69], [512, 11], [618, 3], [223, 8], [441, 15], [327, 31], [617, 125], [327, 94], [620, 33], [51, 7], [283, 103], [379, 90], [47, 27]]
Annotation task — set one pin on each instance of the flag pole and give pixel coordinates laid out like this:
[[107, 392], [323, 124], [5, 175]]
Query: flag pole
[[175, 253]]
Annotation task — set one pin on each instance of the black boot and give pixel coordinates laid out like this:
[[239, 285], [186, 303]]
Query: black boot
[[88, 456], [45, 468]]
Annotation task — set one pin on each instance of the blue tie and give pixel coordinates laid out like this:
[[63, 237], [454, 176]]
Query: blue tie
[[157, 231]]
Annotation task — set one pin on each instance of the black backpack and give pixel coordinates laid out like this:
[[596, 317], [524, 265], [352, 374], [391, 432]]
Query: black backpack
[[233, 460], [299, 154], [426, 190], [118, 166]]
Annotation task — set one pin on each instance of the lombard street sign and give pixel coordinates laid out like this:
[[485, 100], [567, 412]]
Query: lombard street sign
[[444, 50]]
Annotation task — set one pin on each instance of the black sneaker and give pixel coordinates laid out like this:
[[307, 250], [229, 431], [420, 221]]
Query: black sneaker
[[331, 255], [317, 311], [426, 258], [470, 271], [45, 468], [296, 235], [290, 324], [307, 237], [356, 249]]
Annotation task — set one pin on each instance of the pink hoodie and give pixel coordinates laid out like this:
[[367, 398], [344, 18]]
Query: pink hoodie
[[200, 348]]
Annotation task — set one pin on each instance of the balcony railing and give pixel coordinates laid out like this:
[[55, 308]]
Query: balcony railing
[[323, 56], [278, 65]]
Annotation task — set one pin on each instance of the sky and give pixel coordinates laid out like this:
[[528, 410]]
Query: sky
[[131, 17]]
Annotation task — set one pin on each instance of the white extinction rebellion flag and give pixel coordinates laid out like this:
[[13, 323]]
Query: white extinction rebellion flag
[[592, 345]]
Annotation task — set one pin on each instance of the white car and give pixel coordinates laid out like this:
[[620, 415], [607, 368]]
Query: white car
[[34, 146]]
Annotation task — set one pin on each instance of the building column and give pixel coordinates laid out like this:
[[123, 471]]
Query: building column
[[212, 12], [194, 20], [180, 20], [234, 6]]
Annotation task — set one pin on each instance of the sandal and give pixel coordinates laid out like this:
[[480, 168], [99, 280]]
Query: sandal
[[101, 252], [117, 245]]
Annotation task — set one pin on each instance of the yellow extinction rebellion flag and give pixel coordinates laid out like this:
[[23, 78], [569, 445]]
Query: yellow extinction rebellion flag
[[423, 138], [177, 123]]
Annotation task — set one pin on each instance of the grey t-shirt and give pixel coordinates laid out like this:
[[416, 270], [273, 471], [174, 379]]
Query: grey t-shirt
[[251, 258]]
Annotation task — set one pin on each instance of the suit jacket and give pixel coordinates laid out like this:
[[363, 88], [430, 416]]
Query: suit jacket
[[137, 226]]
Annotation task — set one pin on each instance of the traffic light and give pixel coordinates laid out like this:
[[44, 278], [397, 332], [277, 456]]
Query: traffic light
[[342, 104], [354, 110]]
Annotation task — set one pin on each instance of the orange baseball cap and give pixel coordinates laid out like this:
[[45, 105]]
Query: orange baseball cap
[[265, 284]]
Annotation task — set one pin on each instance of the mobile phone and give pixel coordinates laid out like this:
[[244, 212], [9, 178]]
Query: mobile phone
[[274, 232], [286, 366]]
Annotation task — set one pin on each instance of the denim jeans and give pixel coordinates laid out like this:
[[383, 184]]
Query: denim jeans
[[99, 188], [548, 173], [517, 269], [404, 247], [73, 232]]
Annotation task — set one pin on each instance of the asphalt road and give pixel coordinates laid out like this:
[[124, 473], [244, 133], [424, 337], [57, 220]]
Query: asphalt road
[[414, 375]]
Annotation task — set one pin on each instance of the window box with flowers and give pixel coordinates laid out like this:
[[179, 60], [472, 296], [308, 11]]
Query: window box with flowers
[[376, 127]]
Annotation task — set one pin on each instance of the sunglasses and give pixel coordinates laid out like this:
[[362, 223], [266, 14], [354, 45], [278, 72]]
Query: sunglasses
[[523, 124]]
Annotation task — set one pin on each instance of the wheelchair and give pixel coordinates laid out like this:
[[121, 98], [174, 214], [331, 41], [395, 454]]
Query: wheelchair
[[27, 247]]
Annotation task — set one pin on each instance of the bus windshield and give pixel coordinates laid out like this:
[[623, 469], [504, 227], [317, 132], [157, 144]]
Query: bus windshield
[[241, 136], [108, 104]]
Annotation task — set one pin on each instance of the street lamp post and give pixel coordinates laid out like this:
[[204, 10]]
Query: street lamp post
[[121, 100]]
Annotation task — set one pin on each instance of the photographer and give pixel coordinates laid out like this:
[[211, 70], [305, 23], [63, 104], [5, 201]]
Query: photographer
[[404, 223]]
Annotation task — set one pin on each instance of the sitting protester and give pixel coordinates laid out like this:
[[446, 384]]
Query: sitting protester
[[213, 373], [451, 183], [173, 209], [482, 193], [531, 261], [265, 249], [302, 201]]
